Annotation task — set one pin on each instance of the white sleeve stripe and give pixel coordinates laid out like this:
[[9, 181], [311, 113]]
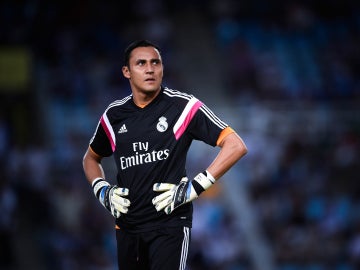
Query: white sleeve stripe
[[216, 120], [105, 122], [175, 93], [119, 102], [108, 130], [97, 127], [203, 108], [186, 116]]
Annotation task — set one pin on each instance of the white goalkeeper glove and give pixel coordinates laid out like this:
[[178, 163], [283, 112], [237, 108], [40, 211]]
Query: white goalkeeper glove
[[186, 191], [111, 197]]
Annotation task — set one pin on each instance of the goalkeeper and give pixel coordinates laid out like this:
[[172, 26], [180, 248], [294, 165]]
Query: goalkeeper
[[149, 133]]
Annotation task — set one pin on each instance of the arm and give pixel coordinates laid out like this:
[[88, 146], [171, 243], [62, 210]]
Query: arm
[[110, 196], [173, 196], [92, 166], [232, 149]]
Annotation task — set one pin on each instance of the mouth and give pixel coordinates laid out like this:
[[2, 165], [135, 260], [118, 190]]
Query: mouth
[[149, 80]]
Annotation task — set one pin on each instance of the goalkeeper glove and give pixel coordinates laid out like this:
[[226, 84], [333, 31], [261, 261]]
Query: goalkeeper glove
[[111, 197], [186, 191]]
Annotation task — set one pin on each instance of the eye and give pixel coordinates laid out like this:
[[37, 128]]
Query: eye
[[141, 62], [155, 62]]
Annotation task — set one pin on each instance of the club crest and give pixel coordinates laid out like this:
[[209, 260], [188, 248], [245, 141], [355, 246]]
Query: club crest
[[162, 125]]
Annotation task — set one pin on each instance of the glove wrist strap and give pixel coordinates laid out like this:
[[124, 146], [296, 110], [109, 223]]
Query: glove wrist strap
[[202, 182], [97, 185]]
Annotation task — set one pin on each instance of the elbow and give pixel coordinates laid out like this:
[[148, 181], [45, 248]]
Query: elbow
[[241, 149], [236, 145], [238, 149], [244, 150], [84, 160], [90, 157]]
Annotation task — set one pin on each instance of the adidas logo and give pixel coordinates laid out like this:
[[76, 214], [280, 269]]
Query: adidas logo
[[122, 129]]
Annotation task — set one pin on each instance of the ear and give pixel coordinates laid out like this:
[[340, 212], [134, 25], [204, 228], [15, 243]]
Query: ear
[[126, 72]]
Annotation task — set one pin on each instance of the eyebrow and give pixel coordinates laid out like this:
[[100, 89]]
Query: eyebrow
[[150, 60]]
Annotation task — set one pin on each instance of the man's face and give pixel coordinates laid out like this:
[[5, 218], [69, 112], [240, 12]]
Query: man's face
[[145, 71]]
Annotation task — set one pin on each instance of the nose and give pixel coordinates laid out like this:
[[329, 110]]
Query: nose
[[149, 68]]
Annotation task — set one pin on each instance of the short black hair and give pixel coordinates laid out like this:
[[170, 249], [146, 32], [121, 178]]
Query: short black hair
[[137, 44]]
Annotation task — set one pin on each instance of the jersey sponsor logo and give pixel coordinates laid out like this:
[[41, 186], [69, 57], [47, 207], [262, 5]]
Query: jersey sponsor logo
[[123, 129], [142, 155], [162, 125]]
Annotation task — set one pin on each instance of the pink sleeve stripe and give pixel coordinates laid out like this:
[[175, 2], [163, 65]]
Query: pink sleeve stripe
[[186, 117], [108, 130]]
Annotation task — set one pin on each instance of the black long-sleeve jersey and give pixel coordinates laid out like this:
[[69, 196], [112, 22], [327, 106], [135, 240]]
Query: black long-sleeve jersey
[[150, 145]]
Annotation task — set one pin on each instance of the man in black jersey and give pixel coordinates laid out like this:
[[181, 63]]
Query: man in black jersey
[[149, 134]]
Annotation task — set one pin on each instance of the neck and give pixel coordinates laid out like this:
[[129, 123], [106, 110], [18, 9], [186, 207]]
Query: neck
[[142, 99]]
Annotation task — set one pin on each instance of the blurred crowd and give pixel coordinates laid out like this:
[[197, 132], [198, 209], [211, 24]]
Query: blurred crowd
[[291, 78]]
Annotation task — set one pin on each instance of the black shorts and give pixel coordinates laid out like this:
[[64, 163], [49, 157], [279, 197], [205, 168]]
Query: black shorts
[[163, 249]]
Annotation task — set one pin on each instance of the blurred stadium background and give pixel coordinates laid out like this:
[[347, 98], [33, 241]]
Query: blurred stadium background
[[285, 74]]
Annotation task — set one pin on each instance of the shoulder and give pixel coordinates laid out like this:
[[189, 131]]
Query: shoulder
[[118, 109], [177, 95], [118, 104], [181, 99]]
